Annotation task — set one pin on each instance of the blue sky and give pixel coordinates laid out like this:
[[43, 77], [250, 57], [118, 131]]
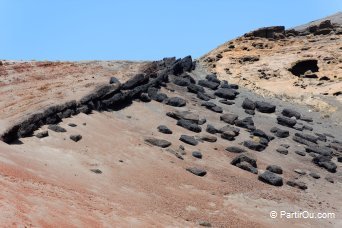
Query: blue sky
[[139, 29]]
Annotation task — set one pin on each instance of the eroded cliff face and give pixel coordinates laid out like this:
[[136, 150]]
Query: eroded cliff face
[[302, 66]]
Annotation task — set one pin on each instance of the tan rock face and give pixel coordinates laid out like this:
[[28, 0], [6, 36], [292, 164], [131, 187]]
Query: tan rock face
[[262, 65]]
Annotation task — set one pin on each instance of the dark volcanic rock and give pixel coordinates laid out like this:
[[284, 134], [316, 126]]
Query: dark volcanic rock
[[226, 93], [144, 97], [229, 118], [176, 102], [76, 138], [307, 137], [160, 97], [113, 80], [280, 132], [235, 149], [254, 145], [187, 124], [325, 162], [248, 104], [181, 81], [250, 112], [208, 84], [195, 88], [290, 113], [297, 184], [197, 154], [273, 32], [197, 171], [245, 123], [203, 96], [321, 150], [42, 134], [213, 78], [72, 125], [248, 167], [164, 129], [212, 130], [285, 121], [265, 107], [184, 115], [303, 141], [301, 153], [189, 140], [216, 109], [229, 135], [260, 133], [226, 102], [275, 169], [209, 138], [56, 128], [244, 158], [158, 142], [315, 175], [271, 178], [282, 150], [137, 80]]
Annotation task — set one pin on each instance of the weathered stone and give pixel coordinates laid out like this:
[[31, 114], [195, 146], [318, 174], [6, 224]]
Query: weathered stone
[[265, 107], [158, 142], [189, 140], [76, 138], [275, 169], [271, 178], [164, 129], [197, 171]]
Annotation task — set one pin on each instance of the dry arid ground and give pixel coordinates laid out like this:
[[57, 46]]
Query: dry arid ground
[[114, 177]]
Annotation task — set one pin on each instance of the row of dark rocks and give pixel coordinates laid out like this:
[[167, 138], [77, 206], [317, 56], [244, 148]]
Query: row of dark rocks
[[113, 96]]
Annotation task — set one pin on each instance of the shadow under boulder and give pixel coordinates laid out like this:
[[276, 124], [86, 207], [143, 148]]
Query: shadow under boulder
[[300, 67]]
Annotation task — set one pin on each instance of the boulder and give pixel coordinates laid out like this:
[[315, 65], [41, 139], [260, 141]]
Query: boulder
[[197, 171], [275, 169], [76, 138], [138, 79], [248, 104], [271, 178], [226, 93], [265, 107], [307, 137], [285, 121], [203, 96], [297, 184], [158, 142], [176, 102], [254, 145], [247, 123], [197, 154], [290, 113], [187, 124], [208, 84], [192, 88], [282, 150], [272, 32], [212, 78], [280, 132], [184, 115], [248, 167], [235, 149], [181, 81], [164, 129], [144, 97], [188, 140], [113, 80], [56, 128], [314, 175], [212, 130], [216, 109], [229, 118], [244, 158], [209, 138], [325, 162], [226, 102], [42, 134]]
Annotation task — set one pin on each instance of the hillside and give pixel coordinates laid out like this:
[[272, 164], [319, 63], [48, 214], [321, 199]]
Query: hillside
[[217, 142]]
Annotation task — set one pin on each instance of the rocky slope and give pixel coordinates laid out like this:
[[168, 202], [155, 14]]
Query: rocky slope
[[164, 143], [262, 61]]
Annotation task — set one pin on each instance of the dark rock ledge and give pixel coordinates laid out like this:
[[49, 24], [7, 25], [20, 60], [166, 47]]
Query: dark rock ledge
[[113, 96]]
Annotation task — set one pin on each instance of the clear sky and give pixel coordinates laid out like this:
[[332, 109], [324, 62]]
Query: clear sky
[[140, 29]]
